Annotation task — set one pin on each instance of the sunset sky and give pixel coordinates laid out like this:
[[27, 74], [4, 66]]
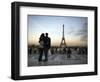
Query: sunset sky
[[75, 29]]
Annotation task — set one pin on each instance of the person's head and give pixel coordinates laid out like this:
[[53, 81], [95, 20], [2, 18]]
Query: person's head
[[42, 35], [46, 34]]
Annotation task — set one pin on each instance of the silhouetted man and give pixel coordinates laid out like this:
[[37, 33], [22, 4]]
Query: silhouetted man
[[47, 45]]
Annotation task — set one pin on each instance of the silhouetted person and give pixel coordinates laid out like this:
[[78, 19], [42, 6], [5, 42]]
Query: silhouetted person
[[52, 51], [30, 50], [41, 46], [47, 45], [64, 50], [69, 53]]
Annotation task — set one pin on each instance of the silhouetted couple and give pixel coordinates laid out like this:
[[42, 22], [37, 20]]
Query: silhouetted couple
[[44, 47]]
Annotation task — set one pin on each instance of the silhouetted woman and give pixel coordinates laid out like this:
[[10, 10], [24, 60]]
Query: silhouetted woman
[[41, 46]]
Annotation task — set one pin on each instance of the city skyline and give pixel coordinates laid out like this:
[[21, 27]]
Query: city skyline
[[75, 29]]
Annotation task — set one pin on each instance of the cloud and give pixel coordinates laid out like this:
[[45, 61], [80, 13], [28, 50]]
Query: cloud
[[70, 32], [83, 33]]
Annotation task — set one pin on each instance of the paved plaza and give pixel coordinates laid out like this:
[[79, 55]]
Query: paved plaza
[[57, 59]]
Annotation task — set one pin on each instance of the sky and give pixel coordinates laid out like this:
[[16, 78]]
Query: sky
[[75, 29]]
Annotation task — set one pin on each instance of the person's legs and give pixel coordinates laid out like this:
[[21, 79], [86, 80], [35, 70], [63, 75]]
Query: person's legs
[[46, 54], [41, 53]]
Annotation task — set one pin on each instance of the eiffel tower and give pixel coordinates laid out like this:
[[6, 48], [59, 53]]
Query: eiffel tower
[[63, 42]]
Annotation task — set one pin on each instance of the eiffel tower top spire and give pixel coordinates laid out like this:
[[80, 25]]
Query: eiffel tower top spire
[[63, 30]]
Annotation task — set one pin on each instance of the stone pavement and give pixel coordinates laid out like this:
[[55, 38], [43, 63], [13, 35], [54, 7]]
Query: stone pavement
[[57, 59]]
